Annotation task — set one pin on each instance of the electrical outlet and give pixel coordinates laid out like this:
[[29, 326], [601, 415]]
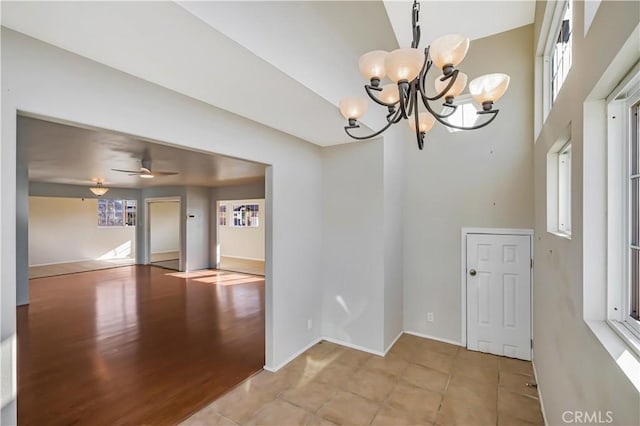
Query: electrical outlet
[[309, 324], [430, 316]]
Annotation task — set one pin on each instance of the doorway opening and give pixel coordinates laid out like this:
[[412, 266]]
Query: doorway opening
[[241, 235], [163, 230]]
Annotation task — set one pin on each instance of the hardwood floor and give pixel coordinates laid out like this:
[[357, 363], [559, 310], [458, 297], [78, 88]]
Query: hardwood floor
[[136, 344], [248, 266]]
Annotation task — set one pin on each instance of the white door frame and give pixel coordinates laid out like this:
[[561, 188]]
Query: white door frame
[[147, 228], [463, 270]]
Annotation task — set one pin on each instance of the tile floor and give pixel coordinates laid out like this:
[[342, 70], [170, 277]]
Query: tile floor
[[419, 382]]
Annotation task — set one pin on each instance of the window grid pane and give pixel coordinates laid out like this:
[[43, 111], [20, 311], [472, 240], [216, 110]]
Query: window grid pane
[[634, 213]]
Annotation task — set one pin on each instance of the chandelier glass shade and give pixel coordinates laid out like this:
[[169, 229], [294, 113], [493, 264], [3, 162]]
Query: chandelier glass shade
[[99, 190], [407, 68]]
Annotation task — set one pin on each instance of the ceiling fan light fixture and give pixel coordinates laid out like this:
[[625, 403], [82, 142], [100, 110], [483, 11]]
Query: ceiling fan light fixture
[[99, 190], [147, 176]]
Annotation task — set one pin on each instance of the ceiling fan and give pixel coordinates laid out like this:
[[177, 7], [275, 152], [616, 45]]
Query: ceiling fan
[[145, 171]]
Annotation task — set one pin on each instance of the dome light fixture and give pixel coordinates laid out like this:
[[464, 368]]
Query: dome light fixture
[[99, 190], [408, 68]]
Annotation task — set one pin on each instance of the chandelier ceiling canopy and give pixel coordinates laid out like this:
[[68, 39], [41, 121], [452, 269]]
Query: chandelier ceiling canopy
[[407, 68]]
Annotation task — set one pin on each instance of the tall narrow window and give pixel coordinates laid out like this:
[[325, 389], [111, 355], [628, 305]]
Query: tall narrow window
[[634, 214], [222, 215], [564, 189], [561, 54]]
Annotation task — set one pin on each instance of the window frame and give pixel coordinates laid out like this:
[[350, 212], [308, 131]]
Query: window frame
[[222, 215], [554, 92], [248, 222], [564, 189], [619, 177]]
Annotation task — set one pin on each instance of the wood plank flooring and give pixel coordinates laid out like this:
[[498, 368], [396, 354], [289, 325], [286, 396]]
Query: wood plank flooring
[[248, 266], [135, 345]]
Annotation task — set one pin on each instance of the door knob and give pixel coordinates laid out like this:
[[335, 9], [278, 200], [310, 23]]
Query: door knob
[[472, 272]]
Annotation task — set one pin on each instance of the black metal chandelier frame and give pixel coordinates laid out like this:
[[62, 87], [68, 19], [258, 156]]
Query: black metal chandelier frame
[[411, 92]]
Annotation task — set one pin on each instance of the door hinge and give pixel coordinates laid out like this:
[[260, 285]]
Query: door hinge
[[531, 343], [531, 263]]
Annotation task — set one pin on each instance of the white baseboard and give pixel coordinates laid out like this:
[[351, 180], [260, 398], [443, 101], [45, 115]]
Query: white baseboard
[[82, 260], [356, 347], [242, 258], [294, 356], [393, 343], [535, 375], [439, 339], [353, 346]]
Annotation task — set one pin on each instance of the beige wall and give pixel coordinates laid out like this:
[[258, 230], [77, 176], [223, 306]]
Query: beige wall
[[66, 230], [574, 370], [480, 178], [246, 243]]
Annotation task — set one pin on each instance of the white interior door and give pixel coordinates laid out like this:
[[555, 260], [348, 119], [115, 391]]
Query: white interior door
[[499, 294]]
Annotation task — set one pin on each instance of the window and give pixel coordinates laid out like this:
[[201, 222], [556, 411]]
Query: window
[[117, 212], [222, 215], [564, 189], [561, 53], [633, 213], [465, 115], [246, 215], [559, 187], [623, 209]]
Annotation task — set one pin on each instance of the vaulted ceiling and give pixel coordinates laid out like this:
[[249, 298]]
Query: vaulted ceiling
[[283, 64]]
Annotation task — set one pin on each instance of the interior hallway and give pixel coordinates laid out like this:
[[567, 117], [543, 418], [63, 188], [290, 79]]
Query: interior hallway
[[136, 344]]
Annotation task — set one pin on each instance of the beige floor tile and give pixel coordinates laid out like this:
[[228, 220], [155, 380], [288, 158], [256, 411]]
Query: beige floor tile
[[207, 417], [403, 349], [522, 407], [324, 349], [425, 377], [271, 382], [515, 365], [319, 421], [436, 360], [517, 382], [242, 403], [441, 347], [346, 408], [466, 356], [419, 404], [373, 385], [389, 365], [477, 371], [472, 391], [353, 358], [278, 413], [309, 396], [506, 420], [389, 416], [454, 412], [335, 374]]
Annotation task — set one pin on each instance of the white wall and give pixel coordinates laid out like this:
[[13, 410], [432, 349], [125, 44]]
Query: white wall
[[242, 242], [41, 79], [198, 219], [66, 230], [395, 143], [481, 178], [574, 370], [164, 222], [353, 244]]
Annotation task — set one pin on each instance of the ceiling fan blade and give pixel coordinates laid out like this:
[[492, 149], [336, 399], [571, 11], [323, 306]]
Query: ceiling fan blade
[[164, 173], [137, 172]]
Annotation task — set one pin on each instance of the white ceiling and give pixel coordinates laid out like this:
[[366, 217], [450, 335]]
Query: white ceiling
[[283, 64], [58, 153]]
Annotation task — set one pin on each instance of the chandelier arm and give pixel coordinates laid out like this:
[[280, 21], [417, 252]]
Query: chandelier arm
[[394, 116], [419, 134], [447, 114], [439, 119], [402, 90], [373, 135], [369, 90], [453, 76], [412, 96]]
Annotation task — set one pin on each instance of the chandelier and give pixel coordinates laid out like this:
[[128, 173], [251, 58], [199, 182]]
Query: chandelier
[[407, 68], [99, 190]]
